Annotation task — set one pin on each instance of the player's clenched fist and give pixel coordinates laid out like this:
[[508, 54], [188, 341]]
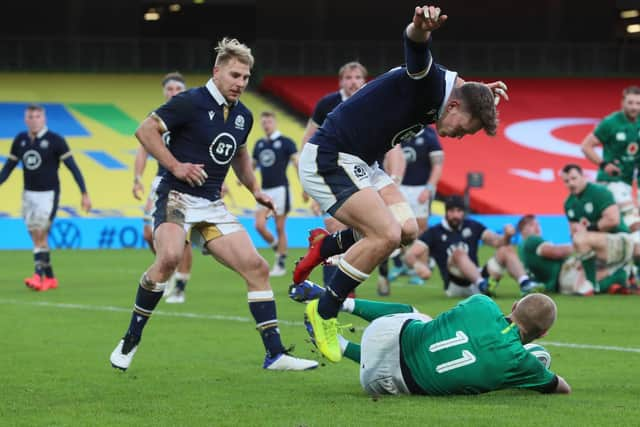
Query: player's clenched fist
[[428, 18]]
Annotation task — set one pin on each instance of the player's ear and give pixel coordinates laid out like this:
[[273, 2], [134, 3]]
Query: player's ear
[[453, 103], [513, 307]]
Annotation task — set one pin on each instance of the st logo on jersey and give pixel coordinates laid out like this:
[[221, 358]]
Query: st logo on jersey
[[223, 148], [31, 160], [406, 134], [267, 158]]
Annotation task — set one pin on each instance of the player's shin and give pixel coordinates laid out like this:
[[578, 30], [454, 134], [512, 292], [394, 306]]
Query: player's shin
[[345, 280], [263, 308], [338, 242], [147, 298]]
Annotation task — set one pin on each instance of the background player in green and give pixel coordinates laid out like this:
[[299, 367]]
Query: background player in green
[[472, 348], [619, 135], [596, 227]]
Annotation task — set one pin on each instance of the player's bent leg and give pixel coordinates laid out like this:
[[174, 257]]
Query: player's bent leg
[[169, 241], [236, 251]]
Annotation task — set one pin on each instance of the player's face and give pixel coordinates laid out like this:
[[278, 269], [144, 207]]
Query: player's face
[[35, 120], [231, 79], [454, 216], [351, 81], [172, 88], [574, 181], [456, 122], [268, 124], [631, 106]]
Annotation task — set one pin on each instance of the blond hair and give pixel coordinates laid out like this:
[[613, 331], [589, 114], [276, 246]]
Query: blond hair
[[173, 76], [534, 314], [228, 49], [351, 66]]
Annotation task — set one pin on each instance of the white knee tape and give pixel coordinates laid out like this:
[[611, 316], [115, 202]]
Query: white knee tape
[[402, 212]]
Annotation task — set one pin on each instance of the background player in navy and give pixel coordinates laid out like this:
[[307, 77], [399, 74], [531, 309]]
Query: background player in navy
[[209, 128], [351, 77], [40, 152], [335, 164], [424, 157], [272, 155], [454, 245], [172, 84]]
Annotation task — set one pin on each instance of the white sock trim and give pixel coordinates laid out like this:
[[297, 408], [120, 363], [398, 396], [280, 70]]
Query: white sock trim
[[255, 296], [352, 271], [182, 276], [348, 305]]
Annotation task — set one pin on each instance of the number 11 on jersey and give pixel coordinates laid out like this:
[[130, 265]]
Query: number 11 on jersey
[[467, 357]]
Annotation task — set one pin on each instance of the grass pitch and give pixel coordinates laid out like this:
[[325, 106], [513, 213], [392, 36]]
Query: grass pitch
[[200, 363]]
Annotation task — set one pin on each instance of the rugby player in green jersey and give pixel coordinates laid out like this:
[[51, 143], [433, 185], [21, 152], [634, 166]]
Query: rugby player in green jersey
[[597, 231], [619, 136]]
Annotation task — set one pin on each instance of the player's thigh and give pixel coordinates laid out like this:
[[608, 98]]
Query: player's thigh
[[169, 242], [401, 210], [236, 251], [332, 225], [367, 212], [261, 216]]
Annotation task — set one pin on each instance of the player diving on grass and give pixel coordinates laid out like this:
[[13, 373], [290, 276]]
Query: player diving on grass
[[335, 164]]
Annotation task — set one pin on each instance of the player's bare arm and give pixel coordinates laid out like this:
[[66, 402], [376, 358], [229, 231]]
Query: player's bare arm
[[496, 240], [395, 164], [149, 133], [243, 168], [139, 165], [417, 257], [429, 192], [609, 219], [425, 20], [588, 148]]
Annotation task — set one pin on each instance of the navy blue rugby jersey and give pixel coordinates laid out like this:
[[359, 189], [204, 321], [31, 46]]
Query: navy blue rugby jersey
[[40, 158], [417, 152], [326, 105], [200, 134], [442, 240], [389, 109], [272, 156]]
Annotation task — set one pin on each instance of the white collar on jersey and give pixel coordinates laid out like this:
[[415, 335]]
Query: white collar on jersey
[[217, 95], [446, 225], [275, 135], [449, 80], [343, 95], [42, 132]]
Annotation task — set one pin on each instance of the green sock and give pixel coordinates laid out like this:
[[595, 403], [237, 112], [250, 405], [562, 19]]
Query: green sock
[[352, 352], [619, 276], [589, 265], [371, 310]]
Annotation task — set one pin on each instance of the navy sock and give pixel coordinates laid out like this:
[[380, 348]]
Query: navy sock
[[338, 289], [181, 284], [327, 273], [337, 243], [146, 302], [397, 261], [383, 268], [264, 313], [39, 262], [48, 269], [282, 258]]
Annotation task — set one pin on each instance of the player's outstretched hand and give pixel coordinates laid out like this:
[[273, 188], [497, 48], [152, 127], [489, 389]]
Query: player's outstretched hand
[[509, 230], [138, 189], [499, 90], [265, 200], [86, 202], [428, 18], [192, 174]]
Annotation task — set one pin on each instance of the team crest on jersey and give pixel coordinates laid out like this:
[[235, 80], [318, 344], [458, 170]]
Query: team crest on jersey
[[31, 160], [632, 148], [23, 143], [223, 148], [443, 237], [267, 158], [239, 123], [406, 134], [44, 144], [466, 232], [621, 136], [277, 144], [571, 213], [359, 172], [419, 140], [409, 154], [588, 207]]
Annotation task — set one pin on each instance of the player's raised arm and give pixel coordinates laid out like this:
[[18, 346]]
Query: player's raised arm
[[418, 36]]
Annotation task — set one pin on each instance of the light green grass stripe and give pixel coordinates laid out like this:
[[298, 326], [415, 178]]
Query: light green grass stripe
[[249, 320], [109, 115]]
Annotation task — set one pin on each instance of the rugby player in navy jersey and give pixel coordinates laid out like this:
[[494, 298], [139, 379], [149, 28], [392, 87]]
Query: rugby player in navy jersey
[[272, 154], [424, 158], [334, 165], [454, 245], [209, 128], [172, 84], [40, 152], [352, 76]]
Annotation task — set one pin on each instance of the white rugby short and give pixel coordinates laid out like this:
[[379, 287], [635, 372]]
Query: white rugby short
[[330, 178], [411, 193], [38, 208], [380, 371], [151, 199], [281, 196]]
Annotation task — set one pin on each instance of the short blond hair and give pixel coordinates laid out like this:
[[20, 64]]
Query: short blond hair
[[351, 66], [228, 49], [535, 314]]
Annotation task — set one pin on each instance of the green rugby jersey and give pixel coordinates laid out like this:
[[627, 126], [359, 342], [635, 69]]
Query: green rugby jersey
[[541, 269], [587, 207], [619, 139], [471, 349]]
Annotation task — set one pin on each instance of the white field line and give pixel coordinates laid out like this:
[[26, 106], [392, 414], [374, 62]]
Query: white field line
[[250, 320]]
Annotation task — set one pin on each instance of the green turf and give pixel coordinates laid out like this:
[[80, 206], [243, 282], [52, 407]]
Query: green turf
[[206, 369]]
